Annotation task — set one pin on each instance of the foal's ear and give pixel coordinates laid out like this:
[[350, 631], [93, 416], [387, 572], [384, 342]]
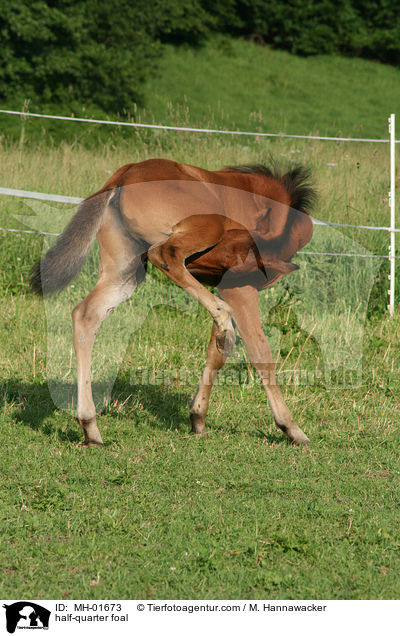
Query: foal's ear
[[283, 267], [273, 262], [263, 221]]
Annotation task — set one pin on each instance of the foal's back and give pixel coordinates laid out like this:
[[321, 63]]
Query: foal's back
[[157, 194]]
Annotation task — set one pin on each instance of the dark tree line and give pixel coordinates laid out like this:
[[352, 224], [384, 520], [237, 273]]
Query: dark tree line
[[366, 28], [100, 52]]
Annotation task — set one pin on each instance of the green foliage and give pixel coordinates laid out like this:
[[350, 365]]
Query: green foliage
[[87, 52], [380, 36], [182, 21], [353, 27], [102, 54]]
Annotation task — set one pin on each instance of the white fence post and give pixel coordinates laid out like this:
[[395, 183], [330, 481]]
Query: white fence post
[[392, 203]]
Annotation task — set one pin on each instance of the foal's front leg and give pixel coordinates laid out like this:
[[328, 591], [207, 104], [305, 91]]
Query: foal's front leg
[[244, 302], [195, 234], [200, 402]]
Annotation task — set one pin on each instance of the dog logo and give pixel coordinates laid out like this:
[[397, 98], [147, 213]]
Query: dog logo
[[26, 615]]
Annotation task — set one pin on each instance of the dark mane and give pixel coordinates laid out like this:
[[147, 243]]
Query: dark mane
[[296, 181]]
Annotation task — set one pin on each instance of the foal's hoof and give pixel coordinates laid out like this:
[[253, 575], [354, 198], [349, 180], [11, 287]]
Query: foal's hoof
[[91, 433], [89, 443], [295, 434], [197, 425], [225, 341], [300, 439], [202, 433]]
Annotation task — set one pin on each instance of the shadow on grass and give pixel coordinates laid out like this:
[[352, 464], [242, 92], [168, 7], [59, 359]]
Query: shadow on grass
[[272, 437], [168, 409], [160, 408], [35, 408]]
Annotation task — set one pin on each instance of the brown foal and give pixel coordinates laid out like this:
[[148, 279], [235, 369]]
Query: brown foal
[[235, 229]]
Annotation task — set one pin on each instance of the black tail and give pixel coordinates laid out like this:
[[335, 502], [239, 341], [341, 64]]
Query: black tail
[[66, 258]]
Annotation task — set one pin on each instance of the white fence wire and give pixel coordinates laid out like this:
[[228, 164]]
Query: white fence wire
[[188, 129], [391, 140]]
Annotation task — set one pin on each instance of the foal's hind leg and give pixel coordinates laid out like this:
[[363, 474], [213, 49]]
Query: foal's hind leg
[[244, 302], [199, 405], [87, 318], [195, 234], [120, 267]]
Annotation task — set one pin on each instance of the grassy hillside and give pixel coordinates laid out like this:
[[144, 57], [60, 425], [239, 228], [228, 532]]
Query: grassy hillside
[[238, 83]]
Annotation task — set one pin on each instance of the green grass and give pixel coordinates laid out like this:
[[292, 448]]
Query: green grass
[[241, 514], [237, 83], [233, 83], [160, 514]]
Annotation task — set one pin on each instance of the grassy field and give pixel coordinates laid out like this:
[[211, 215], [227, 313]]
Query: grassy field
[[242, 514]]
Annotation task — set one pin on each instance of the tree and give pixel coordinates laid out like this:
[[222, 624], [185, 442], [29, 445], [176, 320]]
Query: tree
[[64, 51]]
